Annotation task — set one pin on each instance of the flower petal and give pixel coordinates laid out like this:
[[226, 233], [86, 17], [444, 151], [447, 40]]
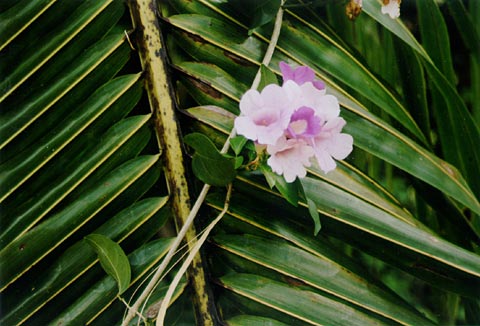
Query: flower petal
[[300, 75], [250, 101], [303, 74], [340, 146], [333, 126], [245, 127], [327, 107], [325, 161], [287, 71]]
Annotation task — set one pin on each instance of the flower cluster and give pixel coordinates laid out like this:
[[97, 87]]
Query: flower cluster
[[295, 122]]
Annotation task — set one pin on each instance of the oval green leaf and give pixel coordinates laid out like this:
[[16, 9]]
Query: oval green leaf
[[112, 258], [208, 164]]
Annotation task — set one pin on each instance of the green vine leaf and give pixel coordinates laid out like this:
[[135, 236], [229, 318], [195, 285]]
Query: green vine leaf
[[112, 258], [290, 191], [208, 164], [312, 209], [267, 77], [237, 143]]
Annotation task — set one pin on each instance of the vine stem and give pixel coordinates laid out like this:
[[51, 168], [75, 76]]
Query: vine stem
[[173, 285], [271, 46], [198, 203], [168, 257]]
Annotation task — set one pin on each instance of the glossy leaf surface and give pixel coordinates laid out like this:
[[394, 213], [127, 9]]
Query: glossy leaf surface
[[112, 258]]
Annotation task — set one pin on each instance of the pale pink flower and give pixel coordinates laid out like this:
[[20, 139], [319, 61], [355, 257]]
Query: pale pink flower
[[392, 8], [296, 122], [265, 115], [289, 157]]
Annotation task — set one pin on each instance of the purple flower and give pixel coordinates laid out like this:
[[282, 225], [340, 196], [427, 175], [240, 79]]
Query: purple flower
[[300, 75]]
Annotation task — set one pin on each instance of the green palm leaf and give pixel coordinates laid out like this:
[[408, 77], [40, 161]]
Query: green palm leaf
[[77, 155], [81, 128]]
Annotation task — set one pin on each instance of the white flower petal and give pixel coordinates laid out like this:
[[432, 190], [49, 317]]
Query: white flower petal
[[327, 107], [333, 126], [294, 93], [275, 96], [269, 135], [340, 146], [250, 101], [310, 94], [325, 161], [392, 9], [245, 127]]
